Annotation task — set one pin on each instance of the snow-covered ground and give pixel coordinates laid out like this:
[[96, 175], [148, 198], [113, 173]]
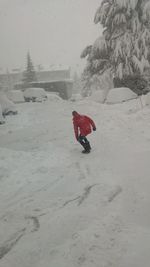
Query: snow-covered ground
[[61, 208]]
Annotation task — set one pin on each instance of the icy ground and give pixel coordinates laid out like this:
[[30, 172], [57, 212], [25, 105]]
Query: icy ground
[[60, 208]]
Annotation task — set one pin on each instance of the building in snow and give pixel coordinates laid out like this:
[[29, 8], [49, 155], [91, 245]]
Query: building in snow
[[52, 80]]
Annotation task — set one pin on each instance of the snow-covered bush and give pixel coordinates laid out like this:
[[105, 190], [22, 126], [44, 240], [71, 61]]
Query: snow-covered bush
[[1, 116], [8, 107], [35, 94], [118, 95], [136, 83], [98, 96], [16, 96]]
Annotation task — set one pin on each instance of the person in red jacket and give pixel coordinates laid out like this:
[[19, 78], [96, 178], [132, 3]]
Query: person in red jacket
[[83, 126]]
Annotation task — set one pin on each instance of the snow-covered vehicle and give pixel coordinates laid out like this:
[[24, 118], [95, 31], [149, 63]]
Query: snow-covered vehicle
[[53, 97], [35, 94], [8, 107], [16, 96], [118, 95]]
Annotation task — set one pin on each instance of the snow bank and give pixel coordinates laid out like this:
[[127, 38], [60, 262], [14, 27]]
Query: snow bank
[[53, 97], [16, 96], [35, 94], [76, 97], [98, 96], [118, 95], [147, 99], [8, 107], [1, 116]]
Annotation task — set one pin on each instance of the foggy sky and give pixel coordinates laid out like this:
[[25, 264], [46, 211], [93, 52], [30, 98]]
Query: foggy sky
[[54, 31]]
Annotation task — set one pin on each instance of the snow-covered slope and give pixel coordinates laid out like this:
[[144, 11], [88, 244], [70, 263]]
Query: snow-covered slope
[[62, 208]]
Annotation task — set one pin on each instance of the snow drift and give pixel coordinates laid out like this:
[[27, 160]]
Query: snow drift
[[118, 95], [53, 97], [98, 96], [16, 96], [76, 97], [8, 107], [147, 99], [1, 116]]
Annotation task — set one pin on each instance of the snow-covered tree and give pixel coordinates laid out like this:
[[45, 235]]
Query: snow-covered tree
[[76, 83], [124, 46], [29, 74]]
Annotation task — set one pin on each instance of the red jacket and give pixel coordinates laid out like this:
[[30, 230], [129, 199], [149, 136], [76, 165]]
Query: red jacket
[[82, 125]]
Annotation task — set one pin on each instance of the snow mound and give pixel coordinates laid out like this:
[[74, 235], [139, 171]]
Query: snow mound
[[16, 96], [118, 95], [35, 94], [1, 116], [8, 107], [147, 99], [53, 97], [98, 96], [76, 97]]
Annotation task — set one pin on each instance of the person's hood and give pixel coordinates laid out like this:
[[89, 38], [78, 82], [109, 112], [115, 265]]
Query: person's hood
[[77, 115]]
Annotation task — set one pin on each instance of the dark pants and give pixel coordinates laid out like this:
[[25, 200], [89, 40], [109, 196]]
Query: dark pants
[[84, 142]]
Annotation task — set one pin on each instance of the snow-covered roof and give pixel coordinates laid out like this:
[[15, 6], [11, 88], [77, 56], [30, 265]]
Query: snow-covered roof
[[51, 67], [52, 81]]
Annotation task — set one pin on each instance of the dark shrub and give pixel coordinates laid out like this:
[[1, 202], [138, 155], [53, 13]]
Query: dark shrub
[[136, 83]]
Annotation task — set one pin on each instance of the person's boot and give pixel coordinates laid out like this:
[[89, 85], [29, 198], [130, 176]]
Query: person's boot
[[84, 151], [87, 148]]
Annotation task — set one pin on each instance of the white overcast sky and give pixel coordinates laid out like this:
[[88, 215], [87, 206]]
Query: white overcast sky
[[54, 31]]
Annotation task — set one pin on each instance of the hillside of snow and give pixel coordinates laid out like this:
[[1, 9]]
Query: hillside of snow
[[61, 208]]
